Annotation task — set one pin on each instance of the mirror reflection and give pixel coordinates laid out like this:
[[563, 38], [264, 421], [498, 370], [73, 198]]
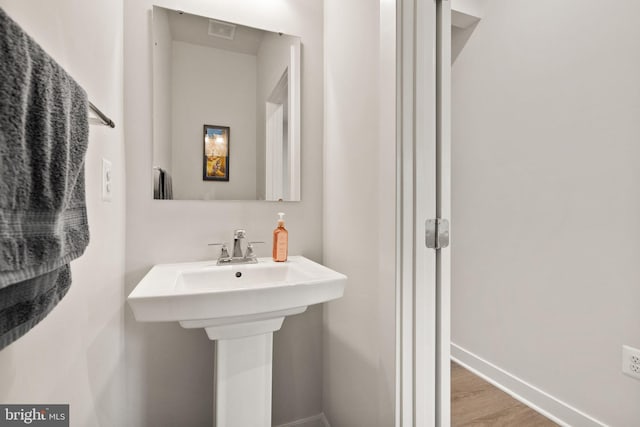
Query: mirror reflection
[[226, 110]]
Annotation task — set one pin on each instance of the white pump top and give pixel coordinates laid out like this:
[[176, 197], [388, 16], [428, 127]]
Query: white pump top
[[281, 217]]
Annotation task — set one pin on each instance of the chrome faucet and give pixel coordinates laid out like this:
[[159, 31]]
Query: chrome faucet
[[238, 235], [236, 256]]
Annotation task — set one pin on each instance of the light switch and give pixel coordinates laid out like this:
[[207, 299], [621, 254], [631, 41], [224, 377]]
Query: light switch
[[106, 180]]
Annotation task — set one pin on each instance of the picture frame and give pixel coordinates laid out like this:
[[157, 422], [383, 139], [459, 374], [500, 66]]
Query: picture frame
[[215, 152]]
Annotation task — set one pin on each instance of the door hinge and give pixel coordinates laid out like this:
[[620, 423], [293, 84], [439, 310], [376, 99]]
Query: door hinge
[[437, 233]]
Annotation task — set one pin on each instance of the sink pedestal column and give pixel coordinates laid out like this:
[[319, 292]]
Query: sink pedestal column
[[244, 354], [243, 381]]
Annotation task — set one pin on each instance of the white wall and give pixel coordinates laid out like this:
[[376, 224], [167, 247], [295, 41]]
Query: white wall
[[75, 355], [546, 200], [273, 59], [214, 87], [162, 90], [359, 212], [170, 370]]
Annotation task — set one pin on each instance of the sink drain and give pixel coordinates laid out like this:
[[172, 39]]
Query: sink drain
[[238, 274]]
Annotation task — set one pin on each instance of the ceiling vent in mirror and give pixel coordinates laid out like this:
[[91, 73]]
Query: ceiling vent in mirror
[[221, 29]]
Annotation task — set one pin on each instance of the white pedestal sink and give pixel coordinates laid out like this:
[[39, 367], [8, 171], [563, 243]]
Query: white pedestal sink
[[239, 306]]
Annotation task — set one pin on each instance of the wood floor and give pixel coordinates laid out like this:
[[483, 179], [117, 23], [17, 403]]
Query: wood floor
[[475, 402]]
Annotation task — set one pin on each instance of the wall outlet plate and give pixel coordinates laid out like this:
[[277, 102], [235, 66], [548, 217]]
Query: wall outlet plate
[[631, 361], [107, 185]]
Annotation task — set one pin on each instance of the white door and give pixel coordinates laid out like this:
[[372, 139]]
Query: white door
[[443, 210], [424, 279]]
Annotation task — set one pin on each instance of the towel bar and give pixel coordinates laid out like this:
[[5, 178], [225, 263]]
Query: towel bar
[[102, 119]]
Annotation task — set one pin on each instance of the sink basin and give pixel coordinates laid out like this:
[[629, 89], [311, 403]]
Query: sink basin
[[231, 301], [239, 306]]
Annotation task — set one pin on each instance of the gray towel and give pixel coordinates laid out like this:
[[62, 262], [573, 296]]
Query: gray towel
[[157, 183], [43, 140], [162, 185], [25, 304]]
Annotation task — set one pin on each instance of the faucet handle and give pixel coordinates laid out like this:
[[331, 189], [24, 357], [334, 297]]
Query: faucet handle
[[239, 234], [249, 253], [224, 252]]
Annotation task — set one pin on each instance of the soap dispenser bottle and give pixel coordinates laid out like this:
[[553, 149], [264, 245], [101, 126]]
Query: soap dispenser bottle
[[280, 240]]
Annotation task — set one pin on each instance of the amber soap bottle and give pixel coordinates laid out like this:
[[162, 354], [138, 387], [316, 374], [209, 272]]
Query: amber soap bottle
[[280, 241]]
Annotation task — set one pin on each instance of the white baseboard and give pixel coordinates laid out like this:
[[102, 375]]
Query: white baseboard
[[318, 420], [542, 402]]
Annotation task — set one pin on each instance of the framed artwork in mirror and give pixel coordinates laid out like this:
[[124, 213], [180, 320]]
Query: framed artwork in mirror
[[215, 155]]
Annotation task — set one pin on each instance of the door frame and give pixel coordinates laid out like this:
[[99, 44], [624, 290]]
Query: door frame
[[424, 192]]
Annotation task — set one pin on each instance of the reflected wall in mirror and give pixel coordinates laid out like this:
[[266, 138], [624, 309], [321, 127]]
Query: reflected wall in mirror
[[242, 79]]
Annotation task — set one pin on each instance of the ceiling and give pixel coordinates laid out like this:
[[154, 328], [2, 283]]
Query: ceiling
[[195, 29]]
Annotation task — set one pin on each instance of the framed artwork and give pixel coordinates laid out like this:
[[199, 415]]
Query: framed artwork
[[215, 155]]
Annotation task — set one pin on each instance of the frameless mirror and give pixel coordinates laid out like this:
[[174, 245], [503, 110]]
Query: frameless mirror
[[226, 110]]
